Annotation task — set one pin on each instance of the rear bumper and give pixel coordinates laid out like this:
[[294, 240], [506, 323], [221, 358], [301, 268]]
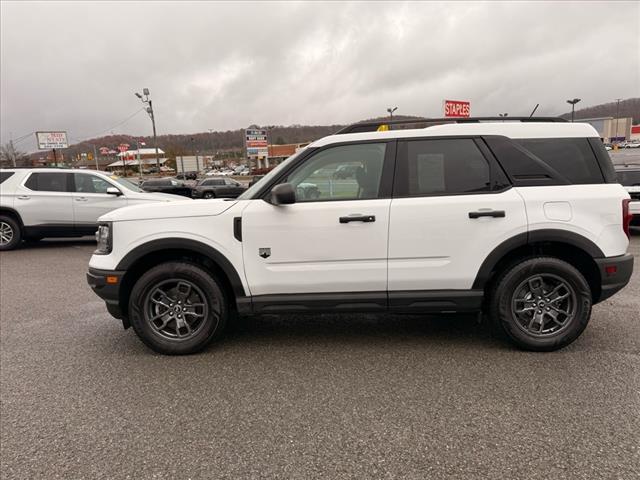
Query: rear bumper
[[107, 289], [615, 273]]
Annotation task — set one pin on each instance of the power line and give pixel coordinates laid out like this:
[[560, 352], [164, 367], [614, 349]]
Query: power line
[[115, 126]]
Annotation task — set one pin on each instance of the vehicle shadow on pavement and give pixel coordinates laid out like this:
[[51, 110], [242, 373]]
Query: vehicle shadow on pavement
[[462, 330], [57, 243]]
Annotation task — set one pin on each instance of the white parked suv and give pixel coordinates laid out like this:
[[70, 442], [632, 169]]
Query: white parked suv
[[522, 219], [47, 202]]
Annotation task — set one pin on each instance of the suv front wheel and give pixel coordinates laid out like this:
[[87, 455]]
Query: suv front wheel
[[541, 304], [177, 308]]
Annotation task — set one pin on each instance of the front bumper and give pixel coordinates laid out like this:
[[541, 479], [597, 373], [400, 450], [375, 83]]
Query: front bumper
[[615, 273], [106, 284]]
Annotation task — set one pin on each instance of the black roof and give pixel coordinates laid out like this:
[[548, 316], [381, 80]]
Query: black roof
[[373, 126]]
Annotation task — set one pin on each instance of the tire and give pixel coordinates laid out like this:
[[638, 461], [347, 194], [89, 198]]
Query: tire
[[209, 195], [161, 292], [10, 233], [535, 287]]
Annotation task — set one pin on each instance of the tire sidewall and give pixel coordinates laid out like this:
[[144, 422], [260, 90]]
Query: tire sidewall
[[513, 277], [213, 296], [17, 234]]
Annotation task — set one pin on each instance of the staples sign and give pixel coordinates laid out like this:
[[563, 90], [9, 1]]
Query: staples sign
[[456, 108]]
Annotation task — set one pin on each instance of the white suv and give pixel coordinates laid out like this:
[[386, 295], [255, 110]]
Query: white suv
[[521, 219], [47, 202]]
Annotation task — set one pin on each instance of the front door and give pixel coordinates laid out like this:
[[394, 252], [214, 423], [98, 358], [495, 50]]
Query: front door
[[91, 201], [333, 240]]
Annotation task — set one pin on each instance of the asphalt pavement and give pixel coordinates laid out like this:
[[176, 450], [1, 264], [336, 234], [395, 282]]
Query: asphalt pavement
[[300, 397]]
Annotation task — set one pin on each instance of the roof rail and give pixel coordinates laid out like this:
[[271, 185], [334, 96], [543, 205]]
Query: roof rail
[[373, 126]]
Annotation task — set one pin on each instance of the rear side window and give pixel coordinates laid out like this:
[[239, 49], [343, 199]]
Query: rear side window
[[441, 167], [48, 182], [5, 175], [572, 158]]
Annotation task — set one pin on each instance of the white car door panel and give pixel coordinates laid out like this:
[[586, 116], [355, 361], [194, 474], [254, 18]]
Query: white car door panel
[[435, 245], [310, 251]]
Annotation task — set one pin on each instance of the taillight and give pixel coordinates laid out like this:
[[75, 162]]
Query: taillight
[[626, 216]]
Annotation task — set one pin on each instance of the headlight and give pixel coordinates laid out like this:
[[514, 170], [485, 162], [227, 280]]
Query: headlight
[[104, 237]]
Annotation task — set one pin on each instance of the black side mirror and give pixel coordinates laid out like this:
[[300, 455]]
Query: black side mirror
[[114, 191], [283, 194]]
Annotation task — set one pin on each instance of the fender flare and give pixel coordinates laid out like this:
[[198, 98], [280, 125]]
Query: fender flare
[[186, 244], [530, 238]]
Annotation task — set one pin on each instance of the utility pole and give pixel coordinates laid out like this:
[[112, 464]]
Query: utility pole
[[573, 106], [95, 157], [147, 101], [617, 117]]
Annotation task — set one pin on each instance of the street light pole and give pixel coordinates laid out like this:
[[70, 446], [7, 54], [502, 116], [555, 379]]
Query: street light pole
[[573, 106], [391, 110], [147, 101], [617, 116]]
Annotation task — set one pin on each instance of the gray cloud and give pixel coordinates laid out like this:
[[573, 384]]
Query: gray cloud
[[75, 65]]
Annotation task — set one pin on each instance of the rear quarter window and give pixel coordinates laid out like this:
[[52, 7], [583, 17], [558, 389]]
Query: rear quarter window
[[48, 182], [5, 175], [573, 158]]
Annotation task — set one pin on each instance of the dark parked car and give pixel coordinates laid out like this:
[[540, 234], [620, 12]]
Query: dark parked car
[[187, 176], [167, 185], [218, 187]]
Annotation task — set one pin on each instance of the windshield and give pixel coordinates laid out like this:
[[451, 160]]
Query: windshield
[[251, 191], [126, 184]]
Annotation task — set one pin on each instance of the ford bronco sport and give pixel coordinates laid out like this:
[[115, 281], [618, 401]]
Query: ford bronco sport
[[522, 219]]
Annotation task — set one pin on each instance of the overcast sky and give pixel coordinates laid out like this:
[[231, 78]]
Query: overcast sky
[[75, 65]]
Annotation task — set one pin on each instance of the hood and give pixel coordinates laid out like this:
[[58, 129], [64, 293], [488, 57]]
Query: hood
[[154, 196], [174, 209]]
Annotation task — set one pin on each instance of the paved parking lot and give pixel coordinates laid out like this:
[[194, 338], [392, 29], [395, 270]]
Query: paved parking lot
[[349, 396]]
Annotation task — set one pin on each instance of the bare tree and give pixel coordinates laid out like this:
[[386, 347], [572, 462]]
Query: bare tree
[[12, 157]]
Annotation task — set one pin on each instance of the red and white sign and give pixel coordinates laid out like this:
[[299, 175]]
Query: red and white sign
[[52, 140], [104, 151], [123, 147], [457, 108]]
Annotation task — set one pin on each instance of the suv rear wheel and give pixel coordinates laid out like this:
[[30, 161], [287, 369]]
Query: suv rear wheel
[[541, 304], [177, 308], [10, 234]]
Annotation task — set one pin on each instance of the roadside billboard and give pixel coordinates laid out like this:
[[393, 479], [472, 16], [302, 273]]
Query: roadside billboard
[[457, 108], [51, 140], [256, 143]]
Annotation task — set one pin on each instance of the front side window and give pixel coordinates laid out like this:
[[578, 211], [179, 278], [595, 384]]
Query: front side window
[[47, 182], [346, 172], [441, 167], [87, 183]]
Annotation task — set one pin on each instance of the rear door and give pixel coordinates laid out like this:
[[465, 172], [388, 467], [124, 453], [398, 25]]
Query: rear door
[[44, 199], [91, 200], [452, 205]]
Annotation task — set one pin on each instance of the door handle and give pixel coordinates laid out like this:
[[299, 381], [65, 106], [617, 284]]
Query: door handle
[[358, 218], [487, 213], [23, 197], [81, 199]]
